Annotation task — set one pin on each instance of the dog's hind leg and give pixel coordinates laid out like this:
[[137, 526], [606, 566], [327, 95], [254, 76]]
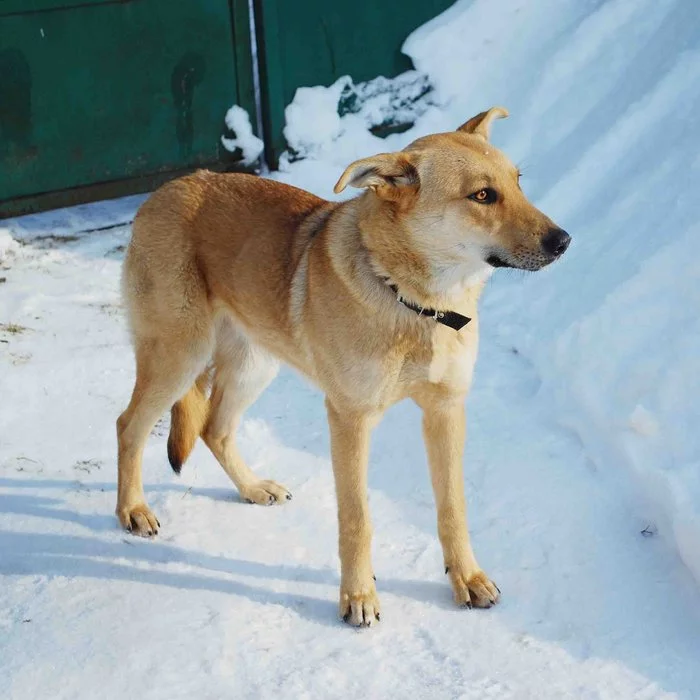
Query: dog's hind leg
[[164, 372], [242, 372]]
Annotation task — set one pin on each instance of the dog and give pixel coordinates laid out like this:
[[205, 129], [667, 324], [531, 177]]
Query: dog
[[374, 299]]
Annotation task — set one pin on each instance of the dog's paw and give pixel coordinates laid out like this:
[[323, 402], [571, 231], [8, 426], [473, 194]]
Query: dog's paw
[[138, 520], [473, 588], [265, 493], [359, 605]]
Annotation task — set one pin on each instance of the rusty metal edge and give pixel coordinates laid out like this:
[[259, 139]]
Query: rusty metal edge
[[32, 204]]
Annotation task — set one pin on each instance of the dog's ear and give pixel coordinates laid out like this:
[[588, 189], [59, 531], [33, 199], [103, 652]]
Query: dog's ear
[[480, 125], [386, 173]]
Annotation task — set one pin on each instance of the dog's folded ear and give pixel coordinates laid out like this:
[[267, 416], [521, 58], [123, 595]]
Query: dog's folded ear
[[480, 125], [383, 173]]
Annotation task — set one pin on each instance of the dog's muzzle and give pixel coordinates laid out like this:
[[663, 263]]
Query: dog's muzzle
[[552, 246]]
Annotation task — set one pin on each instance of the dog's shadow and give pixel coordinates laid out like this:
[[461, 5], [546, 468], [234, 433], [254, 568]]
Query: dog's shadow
[[123, 558]]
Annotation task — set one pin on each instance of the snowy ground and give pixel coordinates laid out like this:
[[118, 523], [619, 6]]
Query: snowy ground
[[237, 601], [240, 601]]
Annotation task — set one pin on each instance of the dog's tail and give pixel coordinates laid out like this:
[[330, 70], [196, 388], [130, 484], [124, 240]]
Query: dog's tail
[[188, 418]]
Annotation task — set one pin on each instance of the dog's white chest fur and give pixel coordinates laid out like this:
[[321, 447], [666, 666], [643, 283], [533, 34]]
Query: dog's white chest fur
[[452, 364]]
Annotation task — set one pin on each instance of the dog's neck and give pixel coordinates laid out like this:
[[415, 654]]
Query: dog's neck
[[427, 279], [451, 319], [449, 288], [374, 274]]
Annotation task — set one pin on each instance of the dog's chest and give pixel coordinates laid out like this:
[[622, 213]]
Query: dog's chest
[[452, 365], [382, 378], [447, 362], [454, 370]]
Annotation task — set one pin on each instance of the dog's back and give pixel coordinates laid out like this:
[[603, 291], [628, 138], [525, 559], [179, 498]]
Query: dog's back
[[210, 238]]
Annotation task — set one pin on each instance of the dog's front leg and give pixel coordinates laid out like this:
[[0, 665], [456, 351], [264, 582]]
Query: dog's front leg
[[350, 435], [444, 429]]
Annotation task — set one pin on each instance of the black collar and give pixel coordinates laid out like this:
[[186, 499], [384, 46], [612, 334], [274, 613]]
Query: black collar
[[447, 318]]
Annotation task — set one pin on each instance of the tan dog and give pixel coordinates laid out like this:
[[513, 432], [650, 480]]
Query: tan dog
[[369, 298]]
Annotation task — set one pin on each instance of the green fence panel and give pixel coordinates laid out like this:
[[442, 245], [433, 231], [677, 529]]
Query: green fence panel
[[118, 95], [103, 90], [315, 42]]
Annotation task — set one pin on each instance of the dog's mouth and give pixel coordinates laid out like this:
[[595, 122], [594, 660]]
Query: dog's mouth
[[497, 261], [522, 260]]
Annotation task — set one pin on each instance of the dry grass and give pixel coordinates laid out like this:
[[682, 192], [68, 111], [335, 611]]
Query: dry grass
[[12, 328]]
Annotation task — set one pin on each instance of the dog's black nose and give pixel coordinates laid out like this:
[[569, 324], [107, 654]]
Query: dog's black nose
[[556, 241]]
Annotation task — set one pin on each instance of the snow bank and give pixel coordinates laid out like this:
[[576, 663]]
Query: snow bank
[[8, 247], [605, 106], [238, 121], [604, 98], [319, 118], [627, 375]]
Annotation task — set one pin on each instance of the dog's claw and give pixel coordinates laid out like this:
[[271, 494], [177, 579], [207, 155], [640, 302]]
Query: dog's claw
[[138, 520], [265, 493], [447, 569], [361, 608], [473, 590]]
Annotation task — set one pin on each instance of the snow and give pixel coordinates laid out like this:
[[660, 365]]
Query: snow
[[582, 427], [238, 121], [319, 119], [8, 248]]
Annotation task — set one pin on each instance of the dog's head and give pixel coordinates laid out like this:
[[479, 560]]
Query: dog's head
[[449, 206]]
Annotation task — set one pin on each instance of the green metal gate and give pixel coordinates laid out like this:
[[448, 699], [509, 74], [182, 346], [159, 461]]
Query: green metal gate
[[315, 42], [100, 91], [103, 97]]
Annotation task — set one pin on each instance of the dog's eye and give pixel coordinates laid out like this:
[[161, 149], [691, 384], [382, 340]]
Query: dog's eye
[[485, 196]]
